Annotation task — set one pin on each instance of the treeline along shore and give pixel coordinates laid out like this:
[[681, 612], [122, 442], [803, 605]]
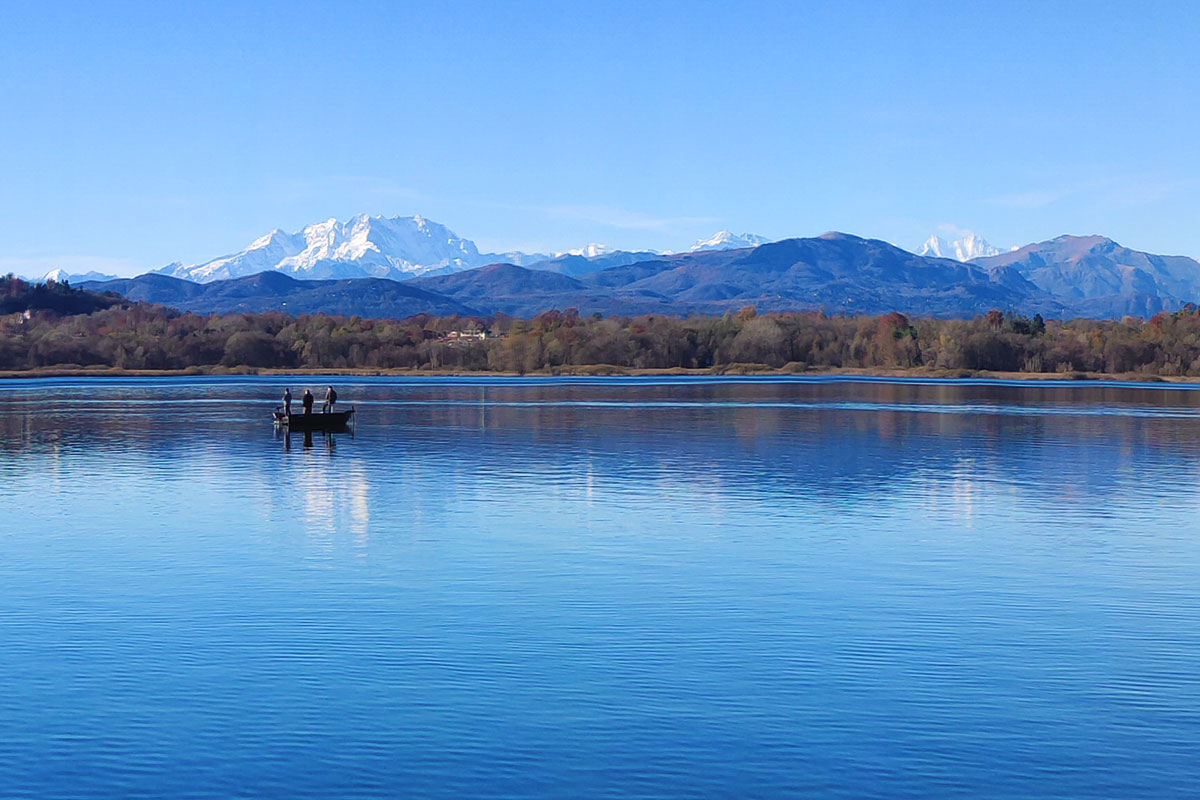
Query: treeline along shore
[[56, 328]]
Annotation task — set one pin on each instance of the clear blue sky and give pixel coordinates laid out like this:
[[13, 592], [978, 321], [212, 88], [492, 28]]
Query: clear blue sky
[[135, 134]]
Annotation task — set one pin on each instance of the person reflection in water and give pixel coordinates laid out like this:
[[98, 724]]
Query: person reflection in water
[[287, 401], [308, 402]]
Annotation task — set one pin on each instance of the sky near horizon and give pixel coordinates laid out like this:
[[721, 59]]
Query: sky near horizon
[[135, 134]]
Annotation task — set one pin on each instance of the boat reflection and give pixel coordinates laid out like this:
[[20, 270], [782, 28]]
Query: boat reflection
[[309, 440]]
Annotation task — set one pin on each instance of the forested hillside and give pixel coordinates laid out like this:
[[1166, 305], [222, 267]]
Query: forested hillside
[[20, 296]]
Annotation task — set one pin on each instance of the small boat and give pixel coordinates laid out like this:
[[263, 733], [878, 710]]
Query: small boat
[[333, 421]]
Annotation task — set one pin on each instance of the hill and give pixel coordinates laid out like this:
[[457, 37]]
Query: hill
[[274, 291], [577, 265], [18, 296], [1096, 277]]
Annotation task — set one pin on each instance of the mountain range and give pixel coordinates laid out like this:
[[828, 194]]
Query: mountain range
[[63, 276], [383, 267], [838, 272], [361, 247], [400, 248]]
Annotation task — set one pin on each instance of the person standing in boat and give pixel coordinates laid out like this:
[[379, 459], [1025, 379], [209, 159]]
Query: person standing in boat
[[307, 400], [287, 401], [330, 399]]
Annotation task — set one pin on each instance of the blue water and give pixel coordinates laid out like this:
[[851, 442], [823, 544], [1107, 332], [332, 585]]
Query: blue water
[[600, 588]]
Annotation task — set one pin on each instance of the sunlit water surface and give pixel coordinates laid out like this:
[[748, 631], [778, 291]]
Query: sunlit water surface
[[600, 588]]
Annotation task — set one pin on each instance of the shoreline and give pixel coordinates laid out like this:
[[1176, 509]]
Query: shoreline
[[598, 371]]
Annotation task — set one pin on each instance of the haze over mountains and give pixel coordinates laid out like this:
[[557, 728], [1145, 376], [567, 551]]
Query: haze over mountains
[[379, 266]]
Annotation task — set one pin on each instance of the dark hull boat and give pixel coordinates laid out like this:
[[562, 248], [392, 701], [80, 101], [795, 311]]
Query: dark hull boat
[[333, 421]]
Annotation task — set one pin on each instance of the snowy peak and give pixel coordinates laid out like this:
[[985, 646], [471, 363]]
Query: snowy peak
[[272, 239], [362, 246], [62, 276], [398, 248], [728, 240], [410, 245], [967, 246], [55, 276], [592, 250]]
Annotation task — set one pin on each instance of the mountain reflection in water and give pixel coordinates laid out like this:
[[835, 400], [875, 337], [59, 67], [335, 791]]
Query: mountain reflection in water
[[631, 587]]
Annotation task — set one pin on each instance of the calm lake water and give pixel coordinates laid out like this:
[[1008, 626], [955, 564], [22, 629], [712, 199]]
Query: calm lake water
[[600, 588]]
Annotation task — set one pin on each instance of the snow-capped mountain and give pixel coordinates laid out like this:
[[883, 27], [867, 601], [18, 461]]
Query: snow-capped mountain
[[363, 246], [399, 248], [592, 250], [727, 240], [968, 246], [521, 259], [62, 276]]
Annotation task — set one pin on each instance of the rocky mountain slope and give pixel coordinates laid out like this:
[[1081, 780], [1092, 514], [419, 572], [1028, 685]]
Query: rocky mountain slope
[[1096, 277]]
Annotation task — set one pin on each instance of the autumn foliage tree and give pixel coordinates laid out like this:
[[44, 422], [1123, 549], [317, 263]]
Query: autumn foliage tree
[[62, 327]]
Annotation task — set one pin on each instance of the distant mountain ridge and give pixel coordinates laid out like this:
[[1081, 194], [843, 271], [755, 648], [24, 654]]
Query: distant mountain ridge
[[363, 246], [400, 248], [577, 264], [62, 276], [838, 272], [966, 247], [1066, 276], [397, 248], [1095, 276], [727, 240], [274, 291]]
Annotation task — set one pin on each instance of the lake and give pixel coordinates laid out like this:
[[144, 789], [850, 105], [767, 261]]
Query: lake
[[674, 587]]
